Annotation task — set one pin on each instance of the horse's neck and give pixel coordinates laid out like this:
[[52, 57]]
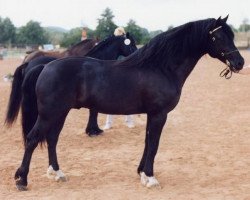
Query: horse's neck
[[76, 52], [184, 69], [186, 63], [105, 53], [79, 50]]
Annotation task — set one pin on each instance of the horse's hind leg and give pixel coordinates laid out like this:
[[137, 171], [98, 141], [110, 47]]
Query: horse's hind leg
[[34, 137], [52, 139], [92, 126], [42, 128], [155, 125]]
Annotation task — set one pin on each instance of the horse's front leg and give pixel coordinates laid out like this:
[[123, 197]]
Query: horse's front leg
[[155, 124], [143, 160], [92, 126]]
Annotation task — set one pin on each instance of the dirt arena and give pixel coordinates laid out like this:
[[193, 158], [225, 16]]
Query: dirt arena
[[204, 151]]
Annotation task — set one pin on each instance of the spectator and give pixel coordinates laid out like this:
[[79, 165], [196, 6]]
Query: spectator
[[128, 118]]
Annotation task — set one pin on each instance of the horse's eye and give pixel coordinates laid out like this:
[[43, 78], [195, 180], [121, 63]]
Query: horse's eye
[[213, 38], [127, 41]]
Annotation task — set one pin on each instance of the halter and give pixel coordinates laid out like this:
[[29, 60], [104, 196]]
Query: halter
[[210, 32], [213, 38], [227, 72]]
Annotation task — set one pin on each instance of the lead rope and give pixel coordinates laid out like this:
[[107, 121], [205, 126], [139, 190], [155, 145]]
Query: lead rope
[[227, 73]]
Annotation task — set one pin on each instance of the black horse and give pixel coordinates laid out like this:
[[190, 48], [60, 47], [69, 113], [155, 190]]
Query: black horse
[[148, 81], [108, 49]]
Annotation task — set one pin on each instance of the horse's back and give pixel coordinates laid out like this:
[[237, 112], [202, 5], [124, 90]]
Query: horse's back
[[67, 70], [38, 61], [33, 55], [61, 81]]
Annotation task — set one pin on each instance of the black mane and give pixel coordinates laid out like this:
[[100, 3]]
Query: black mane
[[173, 44]]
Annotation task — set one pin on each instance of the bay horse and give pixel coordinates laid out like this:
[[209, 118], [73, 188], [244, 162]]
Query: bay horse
[[79, 49], [108, 49], [148, 81]]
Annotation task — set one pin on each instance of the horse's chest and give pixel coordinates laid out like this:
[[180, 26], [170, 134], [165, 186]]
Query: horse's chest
[[168, 99], [164, 100], [172, 102]]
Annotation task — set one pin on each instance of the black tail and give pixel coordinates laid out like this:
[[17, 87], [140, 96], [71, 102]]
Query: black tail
[[15, 96], [29, 102]]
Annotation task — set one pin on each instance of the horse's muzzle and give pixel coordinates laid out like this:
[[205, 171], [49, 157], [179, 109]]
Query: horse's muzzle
[[235, 65]]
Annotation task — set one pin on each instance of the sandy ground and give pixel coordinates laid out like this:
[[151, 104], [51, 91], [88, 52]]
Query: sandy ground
[[204, 151]]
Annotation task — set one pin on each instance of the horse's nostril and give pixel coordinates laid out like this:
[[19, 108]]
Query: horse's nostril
[[240, 63]]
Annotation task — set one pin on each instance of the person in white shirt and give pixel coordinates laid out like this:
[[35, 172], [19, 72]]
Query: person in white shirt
[[128, 118]]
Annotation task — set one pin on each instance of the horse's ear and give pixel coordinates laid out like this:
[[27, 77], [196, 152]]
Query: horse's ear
[[218, 20], [127, 35], [225, 19]]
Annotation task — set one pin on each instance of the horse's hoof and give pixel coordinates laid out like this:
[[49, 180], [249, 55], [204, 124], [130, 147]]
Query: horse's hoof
[[149, 182], [60, 178], [95, 133], [153, 182], [20, 186], [51, 173]]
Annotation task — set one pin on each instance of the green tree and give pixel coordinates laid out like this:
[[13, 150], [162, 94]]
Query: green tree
[[135, 31], [105, 26], [233, 28], [55, 35], [155, 33], [245, 26], [72, 37], [91, 33], [8, 31], [31, 34], [145, 36]]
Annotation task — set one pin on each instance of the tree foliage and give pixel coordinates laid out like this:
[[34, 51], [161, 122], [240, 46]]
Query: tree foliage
[[31, 34], [54, 34], [244, 28], [8, 30], [105, 26], [71, 37], [134, 30], [74, 36]]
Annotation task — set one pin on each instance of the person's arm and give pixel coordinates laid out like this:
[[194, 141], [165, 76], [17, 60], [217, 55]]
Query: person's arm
[[245, 70]]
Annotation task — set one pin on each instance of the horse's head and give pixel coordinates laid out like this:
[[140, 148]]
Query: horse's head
[[221, 45], [127, 44]]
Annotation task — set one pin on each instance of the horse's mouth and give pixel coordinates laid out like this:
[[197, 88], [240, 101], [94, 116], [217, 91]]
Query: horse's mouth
[[234, 70], [228, 71], [231, 68]]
